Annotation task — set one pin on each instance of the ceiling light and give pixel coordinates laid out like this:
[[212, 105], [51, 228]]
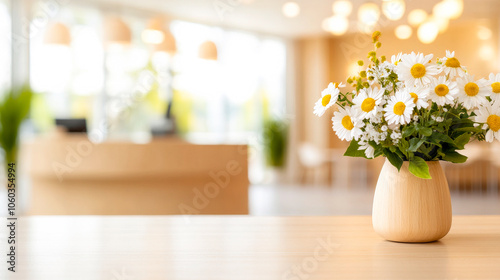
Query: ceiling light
[[168, 44], [486, 52], [337, 25], [153, 34], [403, 32], [416, 17], [484, 33], [427, 32], [342, 7], [291, 9], [369, 13], [116, 31], [57, 34], [393, 9], [441, 22], [208, 50], [450, 9]]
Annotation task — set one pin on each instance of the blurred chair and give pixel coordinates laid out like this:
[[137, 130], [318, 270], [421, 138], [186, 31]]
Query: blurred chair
[[313, 161], [316, 161]]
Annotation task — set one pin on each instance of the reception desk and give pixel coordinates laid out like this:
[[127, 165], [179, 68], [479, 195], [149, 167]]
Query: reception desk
[[73, 176]]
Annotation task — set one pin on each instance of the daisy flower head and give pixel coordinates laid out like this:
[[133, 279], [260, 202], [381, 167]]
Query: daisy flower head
[[451, 66], [346, 124], [416, 69], [472, 93], [442, 91], [368, 102], [399, 108], [420, 96], [395, 59], [489, 116], [369, 150], [494, 82], [328, 98]]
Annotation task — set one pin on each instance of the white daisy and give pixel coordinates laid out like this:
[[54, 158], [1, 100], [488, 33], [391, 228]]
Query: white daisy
[[419, 95], [494, 82], [369, 150], [451, 66], [399, 108], [489, 116], [472, 93], [416, 69], [328, 98], [395, 59], [346, 124], [368, 102], [443, 91]]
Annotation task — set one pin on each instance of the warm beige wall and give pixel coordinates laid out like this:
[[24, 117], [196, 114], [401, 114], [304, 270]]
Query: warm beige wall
[[312, 77]]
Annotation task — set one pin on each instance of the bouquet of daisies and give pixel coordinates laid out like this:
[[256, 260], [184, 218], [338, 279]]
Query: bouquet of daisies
[[413, 108]]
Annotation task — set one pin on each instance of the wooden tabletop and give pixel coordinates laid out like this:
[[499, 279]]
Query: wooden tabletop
[[244, 247]]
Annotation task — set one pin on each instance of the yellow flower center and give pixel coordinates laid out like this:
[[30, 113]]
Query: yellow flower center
[[441, 90], [471, 89], [347, 123], [452, 62], [399, 108], [336, 85], [396, 63], [326, 100], [494, 122], [418, 70], [495, 87], [414, 96], [368, 104]]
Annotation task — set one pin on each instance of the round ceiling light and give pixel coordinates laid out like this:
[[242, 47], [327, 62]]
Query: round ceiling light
[[417, 17], [403, 32], [393, 9], [337, 25], [342, 7], [427, 32], [291, 9], [369, 13]]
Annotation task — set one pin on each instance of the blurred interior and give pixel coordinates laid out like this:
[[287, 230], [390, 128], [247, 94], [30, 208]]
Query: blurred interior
[[205, 107]]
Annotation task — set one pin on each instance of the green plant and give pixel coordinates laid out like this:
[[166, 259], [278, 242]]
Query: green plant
[[275, 142], [14, 107]]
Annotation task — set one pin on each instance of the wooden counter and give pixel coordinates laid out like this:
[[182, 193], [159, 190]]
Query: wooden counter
[[244, 247], [72, 176]]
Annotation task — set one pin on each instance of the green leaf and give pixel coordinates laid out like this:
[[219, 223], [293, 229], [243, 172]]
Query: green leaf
[[453, 156], [469, 129], [415, 143], [393, 158], [353, 150], [425, 131], [403, 146], [408, 131], [439, 137], [419, 168], [462, 140]]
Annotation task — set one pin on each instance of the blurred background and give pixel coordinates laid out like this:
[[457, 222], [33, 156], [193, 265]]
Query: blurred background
[[205, 106]]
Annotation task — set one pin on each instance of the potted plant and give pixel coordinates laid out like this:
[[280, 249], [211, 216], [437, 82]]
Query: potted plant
[[275, 139], [416, 111], [14, 107]]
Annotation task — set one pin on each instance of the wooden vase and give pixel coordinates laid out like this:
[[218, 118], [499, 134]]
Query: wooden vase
[[409, 209]]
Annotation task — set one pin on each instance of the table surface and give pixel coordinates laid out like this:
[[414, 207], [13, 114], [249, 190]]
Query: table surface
[[244, 247]]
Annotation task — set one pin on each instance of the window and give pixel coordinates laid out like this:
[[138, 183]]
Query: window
[[5, 46]]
